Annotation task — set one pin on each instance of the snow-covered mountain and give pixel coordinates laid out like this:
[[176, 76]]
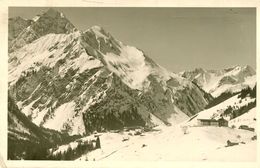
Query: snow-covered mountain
[[82, 81], [24, 31], [215, 82]]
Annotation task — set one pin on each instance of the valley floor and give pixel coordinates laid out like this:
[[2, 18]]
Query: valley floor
[[171, 144]]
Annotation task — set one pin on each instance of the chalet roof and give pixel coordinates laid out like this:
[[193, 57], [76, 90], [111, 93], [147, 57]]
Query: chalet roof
[[202, 119], [213, 119], [222, 119]]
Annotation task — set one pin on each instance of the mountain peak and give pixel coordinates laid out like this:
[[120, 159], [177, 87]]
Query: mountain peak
[[97, 28], [246, 68], [54, 13], [199, 70], [54, 21], [98, 31], [249, 69], [51, 21], [237, 67]]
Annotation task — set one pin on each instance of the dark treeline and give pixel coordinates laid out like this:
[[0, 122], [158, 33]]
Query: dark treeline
[[32, 150], [226, 95], [28, 150], [112, 119], [248, 92], [233, 112], [33, 146], [72, 154]]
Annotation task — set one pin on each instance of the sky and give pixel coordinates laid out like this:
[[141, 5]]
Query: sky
[[176, 38]]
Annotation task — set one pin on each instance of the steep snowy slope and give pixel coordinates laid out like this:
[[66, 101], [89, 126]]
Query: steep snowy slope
[[218, 81], [248, 118], [231, 109], [26, 140], [79, 82]]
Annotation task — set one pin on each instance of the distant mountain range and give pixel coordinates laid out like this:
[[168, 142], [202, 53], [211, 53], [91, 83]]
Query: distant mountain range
[[215, 82]]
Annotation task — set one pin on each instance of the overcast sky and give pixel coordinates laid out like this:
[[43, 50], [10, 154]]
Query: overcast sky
[[176, 38]]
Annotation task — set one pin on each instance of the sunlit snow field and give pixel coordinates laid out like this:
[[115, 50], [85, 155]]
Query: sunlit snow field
[[171, 144]]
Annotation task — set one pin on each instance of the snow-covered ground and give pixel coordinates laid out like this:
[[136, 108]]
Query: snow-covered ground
[[171, 144], [248, 119]]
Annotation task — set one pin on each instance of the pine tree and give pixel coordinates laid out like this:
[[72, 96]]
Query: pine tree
[[98, 143], [253, 92]]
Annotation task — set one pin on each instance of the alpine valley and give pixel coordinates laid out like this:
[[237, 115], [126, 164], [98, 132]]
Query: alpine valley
[[66, 87]]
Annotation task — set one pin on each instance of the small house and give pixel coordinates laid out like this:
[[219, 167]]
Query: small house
[[213, 122], [208, 122]]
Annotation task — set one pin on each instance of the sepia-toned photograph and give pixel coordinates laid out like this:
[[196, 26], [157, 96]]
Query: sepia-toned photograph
[[132, 84]]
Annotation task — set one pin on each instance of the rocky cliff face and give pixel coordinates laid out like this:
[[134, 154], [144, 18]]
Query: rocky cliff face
[[79, 82], [16, 26], [215, 82], [26, 31]]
